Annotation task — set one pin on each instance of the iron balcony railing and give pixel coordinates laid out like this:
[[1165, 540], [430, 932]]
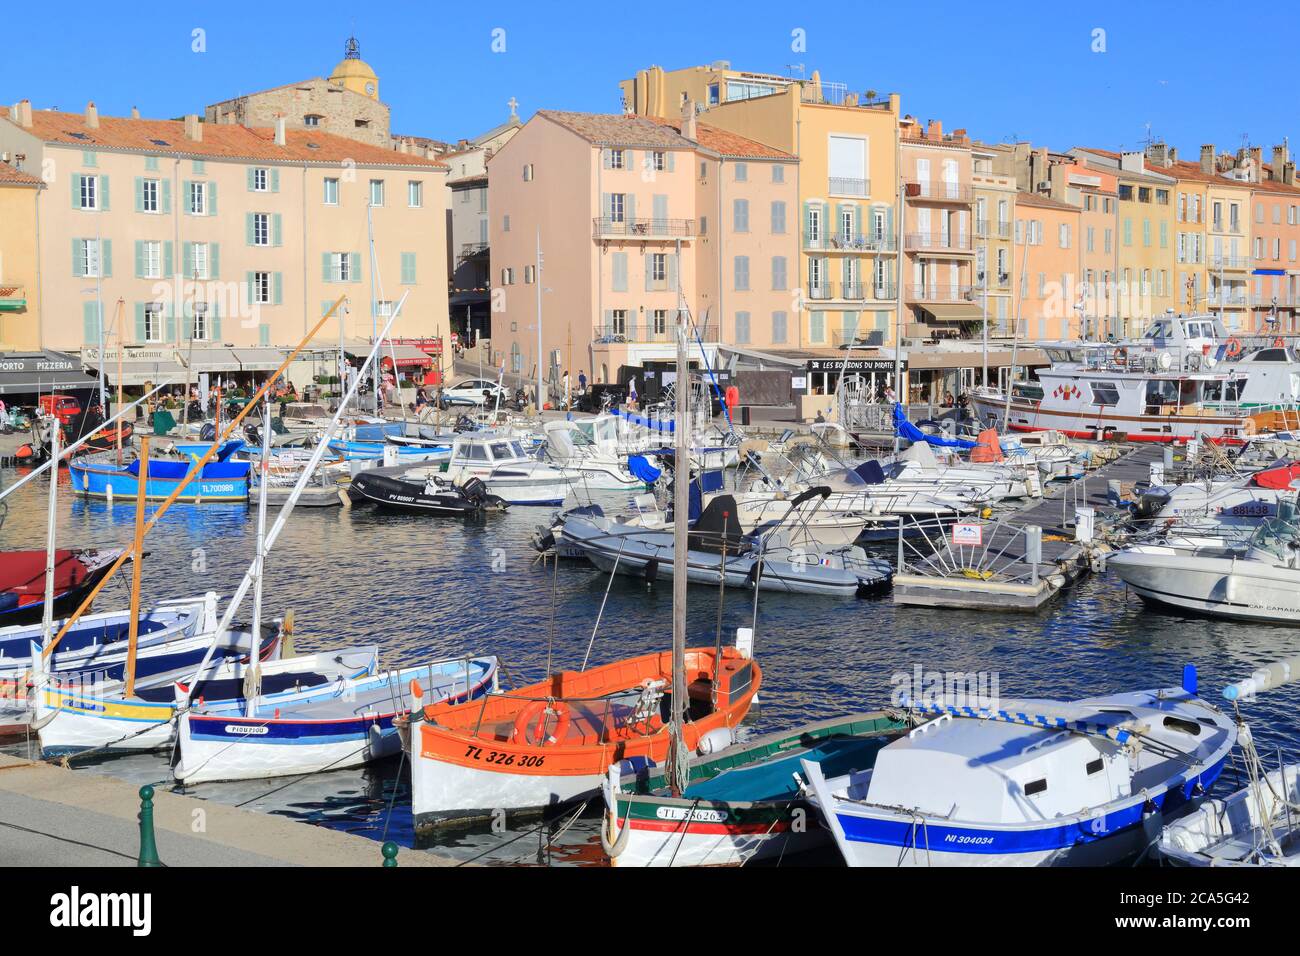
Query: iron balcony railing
[[470, 249], [938, 190], [936, 292], [1226, 298], [820, 291], [937, 240], [849, 291], [1229, 262], [859, 338], [840, 242], [844, 186], [606, 227], [616, 333], [1268, 298]]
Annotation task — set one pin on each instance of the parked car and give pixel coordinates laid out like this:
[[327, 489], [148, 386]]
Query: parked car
[[475, 391]]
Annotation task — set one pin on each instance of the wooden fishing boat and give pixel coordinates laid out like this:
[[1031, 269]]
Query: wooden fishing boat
[[22, 581], [224, 479], [744, 804], [551, 743]]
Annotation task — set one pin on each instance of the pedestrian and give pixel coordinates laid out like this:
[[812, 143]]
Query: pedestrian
[[568, 403], [582, 383], [631, 393], [890, 398]]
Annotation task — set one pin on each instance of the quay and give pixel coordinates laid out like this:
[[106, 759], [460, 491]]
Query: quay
[[53, 816], [1014, 567]]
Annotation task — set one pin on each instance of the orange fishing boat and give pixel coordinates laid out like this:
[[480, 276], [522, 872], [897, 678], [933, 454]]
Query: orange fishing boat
[[553, 742]]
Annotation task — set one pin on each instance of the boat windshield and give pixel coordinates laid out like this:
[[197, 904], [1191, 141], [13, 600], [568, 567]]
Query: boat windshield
[[1279, 535]]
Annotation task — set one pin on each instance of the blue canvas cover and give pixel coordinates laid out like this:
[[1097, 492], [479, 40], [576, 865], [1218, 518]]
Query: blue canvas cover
[[906, 429], [642, 470]]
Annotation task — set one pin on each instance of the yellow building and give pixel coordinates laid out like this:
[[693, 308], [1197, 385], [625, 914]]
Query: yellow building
[[994, 191], [20, 308], [354, 73]]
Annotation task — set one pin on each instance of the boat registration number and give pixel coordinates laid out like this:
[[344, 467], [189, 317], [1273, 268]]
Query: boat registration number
[[504, 759], [699, 814]]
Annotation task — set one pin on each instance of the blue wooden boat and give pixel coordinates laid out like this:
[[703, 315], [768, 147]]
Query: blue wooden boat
[[197, 449], [223, 479]]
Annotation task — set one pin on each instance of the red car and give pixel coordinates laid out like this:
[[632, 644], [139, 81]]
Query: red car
[[65, 408]]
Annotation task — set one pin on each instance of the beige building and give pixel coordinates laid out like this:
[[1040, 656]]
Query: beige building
[[20, 298], [994, 193], [346, 103], [218, 236], [660, 207]]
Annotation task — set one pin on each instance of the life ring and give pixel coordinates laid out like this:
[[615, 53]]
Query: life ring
[[1233, 348], [1121, 355], [532, 720], [1279, 343]]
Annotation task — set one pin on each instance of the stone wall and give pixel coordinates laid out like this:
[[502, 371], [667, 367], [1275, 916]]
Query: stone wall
[[342, 112]]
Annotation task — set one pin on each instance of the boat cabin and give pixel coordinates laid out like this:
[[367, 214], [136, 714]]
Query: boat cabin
[[480, 450]]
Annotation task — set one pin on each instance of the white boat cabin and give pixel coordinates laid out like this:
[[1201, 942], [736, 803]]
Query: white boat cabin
[[486, 451]]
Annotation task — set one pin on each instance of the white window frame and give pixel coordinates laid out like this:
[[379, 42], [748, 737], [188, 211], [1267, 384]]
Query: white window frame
[[414, 194], [152, 250], [198, 199], [261, 179], [330, 184], [150, 195], [201, 331], [92, 262], [262, 288], [341, 266], [201, 254], [261, 229], [153, 322], [376, 189]]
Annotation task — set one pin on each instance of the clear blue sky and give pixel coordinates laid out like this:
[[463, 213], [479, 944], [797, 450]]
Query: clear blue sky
[[1197, 72]]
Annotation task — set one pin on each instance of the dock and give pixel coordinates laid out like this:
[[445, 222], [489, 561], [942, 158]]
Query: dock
[[53, 816], [999, 572]]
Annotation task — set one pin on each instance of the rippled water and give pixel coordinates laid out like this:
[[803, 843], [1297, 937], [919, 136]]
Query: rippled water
[[425, 588]]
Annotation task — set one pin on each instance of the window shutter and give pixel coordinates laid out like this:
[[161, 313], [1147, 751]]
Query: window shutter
[[629, 207], [249, 235], [187, 326], [609, 321], [248, 288], [275, 229], [76, 190], [216, 322], [606, 206], [171, 324], [101, 198], [141, 333], [325, 269], [187, 259], [354, 266], [252, 178], [264, 334], [275, 180], [106, 258], [90, 322], [167, 195], [277, 288], [606, 158], [212, 199], [629, 159], [139, 259], [167, 264], [78, 257], [649, 271], [669, 163], [214, 260], [672, 271], [619, 264], [139, 194]]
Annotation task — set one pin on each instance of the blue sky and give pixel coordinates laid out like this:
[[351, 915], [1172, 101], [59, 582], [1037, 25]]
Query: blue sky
[[1196, 72]]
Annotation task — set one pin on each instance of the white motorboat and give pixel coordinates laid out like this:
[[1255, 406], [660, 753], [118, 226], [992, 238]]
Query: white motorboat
[[593, 464], [1258, 581], [1028, 782], [501, 463]]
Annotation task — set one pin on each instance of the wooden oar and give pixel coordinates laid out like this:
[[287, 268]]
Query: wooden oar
[[137, 550], [194, 470]]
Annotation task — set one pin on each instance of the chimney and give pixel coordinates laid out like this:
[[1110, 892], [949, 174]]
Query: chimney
[[1280, 159], [934, 130], [92, 116], [1173, 155], [22, 113], [1158, 155], [135, 112], [1207, 159], [193, 129], [895, 103], [1288, 174], [279, 131], [688, 120]]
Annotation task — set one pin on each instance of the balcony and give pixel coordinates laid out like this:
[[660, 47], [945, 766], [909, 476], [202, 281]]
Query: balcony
[[631, 333], [1228, 299], [938, 190], [936, 292], [849, 292], [999, 282], [649, 229], [860, 338], [944, 242], [470, 249], [13, 298], [1268, 299], [985, 229], [821, 291], [854, 243], [841, 186], [1229, 262]]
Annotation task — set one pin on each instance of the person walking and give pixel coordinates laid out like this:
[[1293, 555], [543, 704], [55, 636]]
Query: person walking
[[568, 403]]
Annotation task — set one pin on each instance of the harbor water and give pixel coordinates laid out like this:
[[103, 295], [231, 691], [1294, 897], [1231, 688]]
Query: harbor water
[[425, 588]]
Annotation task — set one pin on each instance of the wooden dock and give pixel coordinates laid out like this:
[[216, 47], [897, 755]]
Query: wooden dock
[[996, 573]]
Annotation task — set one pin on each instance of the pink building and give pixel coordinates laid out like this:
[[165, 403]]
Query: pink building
[[662, 208]]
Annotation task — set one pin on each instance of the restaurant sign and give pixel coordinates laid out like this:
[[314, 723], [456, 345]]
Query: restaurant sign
[[854, 365]]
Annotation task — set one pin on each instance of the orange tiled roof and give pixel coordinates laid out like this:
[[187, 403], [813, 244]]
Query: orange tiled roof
[[728, 144], [1043, 202], [220, 141], [9, 176], [1183, 169], [616, 129]]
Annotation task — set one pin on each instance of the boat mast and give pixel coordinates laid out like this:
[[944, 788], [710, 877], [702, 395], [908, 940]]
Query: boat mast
[[677, 771], [47, 622], [253, 679], [137, 560], [1015, 328]]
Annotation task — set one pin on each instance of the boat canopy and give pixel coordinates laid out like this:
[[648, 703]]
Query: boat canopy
[[909, 431]]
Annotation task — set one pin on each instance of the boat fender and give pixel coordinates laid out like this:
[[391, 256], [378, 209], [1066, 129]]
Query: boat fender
[[612, 840], [530, 725], [417, 695], [717, 739], [651, 570]]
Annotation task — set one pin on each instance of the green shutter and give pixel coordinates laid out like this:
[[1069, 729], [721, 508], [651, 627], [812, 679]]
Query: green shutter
[[277, 291], [212, 199], [325, 269], [78, 256], [649, 271], [102, 199], [275, 229], [264, 334], [275, 180], [248, 288], [606, 158], [216, 323], [139, 260], [187, 313], [187, 259], [106, 258], [669, 160], [76, 190], [141, 333], [408, 268], [168, 269], [171, 325], [90, 322], [167, 195], [249, 234], [252, 178], [186, 202], [214, 260], [354, 266], [139, 194]]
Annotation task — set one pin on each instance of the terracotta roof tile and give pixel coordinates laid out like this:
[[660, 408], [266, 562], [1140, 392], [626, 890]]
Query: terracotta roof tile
[[729, 144], [614, 129], [220, 141], [9, 176], [1043, 202]]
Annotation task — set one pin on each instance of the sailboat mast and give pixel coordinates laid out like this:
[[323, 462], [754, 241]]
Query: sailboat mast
[[253, 682], [47, 621], [677, 770], [137, 560]]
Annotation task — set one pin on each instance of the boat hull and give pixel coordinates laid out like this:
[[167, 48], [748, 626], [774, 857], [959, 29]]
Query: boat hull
[[101, 481], [1090, 422], [1217, 587]]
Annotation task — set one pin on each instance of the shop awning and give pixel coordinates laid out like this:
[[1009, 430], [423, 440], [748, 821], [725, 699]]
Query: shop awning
[[954, 311], [12, 298], [154, 369], [259, 359], [209, 358], [408, 356], [39, 373]]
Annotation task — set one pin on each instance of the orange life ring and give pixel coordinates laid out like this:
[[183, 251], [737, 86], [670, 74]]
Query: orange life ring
[[1279, 343], [533, 719], [1233, 348], [1121, 355]]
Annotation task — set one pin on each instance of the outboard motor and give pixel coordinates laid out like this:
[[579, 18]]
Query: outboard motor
[[475, 491], [208, 432], [254, 435], [464, 424], [1150, 502]]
